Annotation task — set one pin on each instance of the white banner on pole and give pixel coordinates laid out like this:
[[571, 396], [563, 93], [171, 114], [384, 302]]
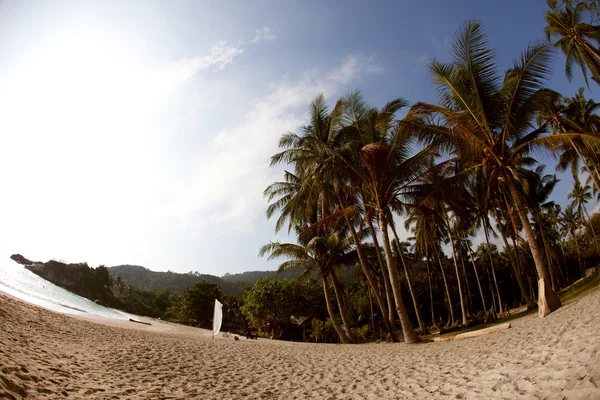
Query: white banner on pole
[[217, 318]]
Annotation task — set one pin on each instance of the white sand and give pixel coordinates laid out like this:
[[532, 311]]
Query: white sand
[[48, 355]]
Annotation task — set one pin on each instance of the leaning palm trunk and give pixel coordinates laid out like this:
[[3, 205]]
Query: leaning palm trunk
[[595, 177], [514, 235], [409, 282], [386, 282], [342, 306], [469, 301], [343, 337], [591, 226], [489, 252], [450, 308], [578, 254], [477, 276], [430, 287], [513, 264], [369, 274], [548, 256], [548, 300], [458, 280], [410, 336]]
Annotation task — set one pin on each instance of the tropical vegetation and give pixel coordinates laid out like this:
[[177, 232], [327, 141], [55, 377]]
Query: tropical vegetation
[[463, 168]]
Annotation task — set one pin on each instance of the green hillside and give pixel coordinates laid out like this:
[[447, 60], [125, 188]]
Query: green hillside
[[177, 282]]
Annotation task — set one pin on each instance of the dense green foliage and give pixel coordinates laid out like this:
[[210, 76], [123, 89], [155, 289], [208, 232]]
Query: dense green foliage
[[197, 303], [271, 305]]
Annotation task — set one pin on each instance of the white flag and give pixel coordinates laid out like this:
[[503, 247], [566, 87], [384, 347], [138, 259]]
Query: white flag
[[217, 318]]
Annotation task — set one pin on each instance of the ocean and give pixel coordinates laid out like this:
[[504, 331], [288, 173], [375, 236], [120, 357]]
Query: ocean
[[21, 283]]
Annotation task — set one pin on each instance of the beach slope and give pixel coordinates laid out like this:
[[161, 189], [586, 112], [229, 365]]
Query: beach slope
[[44, 354]]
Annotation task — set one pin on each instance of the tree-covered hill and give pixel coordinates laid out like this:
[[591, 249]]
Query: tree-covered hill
[[177, 282]]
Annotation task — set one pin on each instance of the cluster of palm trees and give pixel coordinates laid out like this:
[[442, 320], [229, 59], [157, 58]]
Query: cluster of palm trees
[[449, 170]]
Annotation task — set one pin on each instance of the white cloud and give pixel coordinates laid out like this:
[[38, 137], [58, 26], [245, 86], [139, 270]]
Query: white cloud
[[263, 34], [177, 73], [349, 69], [226, 187]]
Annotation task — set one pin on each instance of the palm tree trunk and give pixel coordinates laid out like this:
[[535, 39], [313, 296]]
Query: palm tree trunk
[[469, 298], [513, 263], [548, 300], [578, 255], [489, 251], [331, 312], [409, 282], [369, 273], [591, 225], [430, 288], [410, 336], [514, 235], [450, 308], [476, 275], [386, 282], [537, 218], [458, 280], [342, 302], [565, 273]]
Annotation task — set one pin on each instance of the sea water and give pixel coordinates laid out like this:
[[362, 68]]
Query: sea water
[[21, 283]]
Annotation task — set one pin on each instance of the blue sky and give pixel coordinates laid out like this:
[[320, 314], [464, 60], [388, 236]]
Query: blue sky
[[140, 131]]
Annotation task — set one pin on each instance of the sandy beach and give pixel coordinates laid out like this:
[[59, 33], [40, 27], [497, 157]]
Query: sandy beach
[[44, 354]]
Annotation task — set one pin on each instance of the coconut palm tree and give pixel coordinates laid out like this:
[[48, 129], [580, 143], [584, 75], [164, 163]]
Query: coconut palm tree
[[570, 224], [576, 116], [400, 248], [322, 253], [486, 121], [581, 195], [387, 173], [539, 189], [577, 39]]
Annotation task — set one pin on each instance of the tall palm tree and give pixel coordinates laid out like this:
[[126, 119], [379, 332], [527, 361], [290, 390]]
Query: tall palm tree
[[440, 191], [487, 121], [581, 195], [400, 248], [478, 195], [539, 189], [570, 224], [388, 171], [577, 39]]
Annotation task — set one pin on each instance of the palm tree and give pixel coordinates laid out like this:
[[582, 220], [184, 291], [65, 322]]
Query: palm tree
[[478, 195], [388, 173], [570, 223], [440, 191], [577, 117], [421, 225], [578, 40], [323, 253], [487, 121], [581, 195], [400, 248], [539, 189]]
